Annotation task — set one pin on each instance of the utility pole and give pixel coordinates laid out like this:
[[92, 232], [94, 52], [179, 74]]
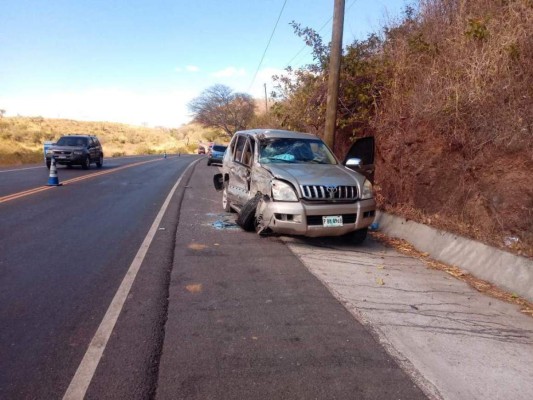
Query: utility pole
[[334, 73], [266, 101]]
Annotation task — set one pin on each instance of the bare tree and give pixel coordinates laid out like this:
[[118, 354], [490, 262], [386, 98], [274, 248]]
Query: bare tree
[[219, 107]]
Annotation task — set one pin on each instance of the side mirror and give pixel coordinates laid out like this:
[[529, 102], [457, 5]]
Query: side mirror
[[354, 162], [218, 181]]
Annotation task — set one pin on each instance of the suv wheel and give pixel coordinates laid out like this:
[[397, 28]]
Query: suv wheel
[[246, 218], [48, 163], [100, 161], [86, 163]]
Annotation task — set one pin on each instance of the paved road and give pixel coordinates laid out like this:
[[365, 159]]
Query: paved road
[[63, 254], [246, 320], [212, 313], [217, 313]]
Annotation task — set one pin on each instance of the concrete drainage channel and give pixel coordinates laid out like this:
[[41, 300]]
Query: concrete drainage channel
[[508, 271]]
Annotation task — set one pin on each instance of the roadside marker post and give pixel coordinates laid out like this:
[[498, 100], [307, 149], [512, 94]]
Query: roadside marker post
[[53, 180]]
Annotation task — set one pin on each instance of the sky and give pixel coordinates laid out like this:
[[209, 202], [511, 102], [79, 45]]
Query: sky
[[141, 62]]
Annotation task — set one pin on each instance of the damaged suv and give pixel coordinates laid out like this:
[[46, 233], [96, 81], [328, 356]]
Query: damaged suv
[[291, 183]]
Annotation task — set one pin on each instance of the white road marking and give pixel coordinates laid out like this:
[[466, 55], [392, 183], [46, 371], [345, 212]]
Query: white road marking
[[43, 166], [85, 372], [22, 169]]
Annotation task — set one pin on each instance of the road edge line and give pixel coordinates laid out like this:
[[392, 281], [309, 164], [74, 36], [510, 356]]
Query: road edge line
[[84, 374]]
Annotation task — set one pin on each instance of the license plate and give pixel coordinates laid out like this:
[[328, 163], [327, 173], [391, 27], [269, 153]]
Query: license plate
[[332, 220], [61, 157]]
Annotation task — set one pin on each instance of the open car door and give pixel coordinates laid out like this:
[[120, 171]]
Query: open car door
[[363, 151]]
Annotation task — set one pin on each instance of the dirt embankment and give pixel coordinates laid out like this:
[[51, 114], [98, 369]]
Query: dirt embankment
[[453, 120], [488, 197], [455, 127]]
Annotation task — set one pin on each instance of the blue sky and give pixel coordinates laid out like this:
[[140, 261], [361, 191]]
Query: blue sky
[[141, 62]]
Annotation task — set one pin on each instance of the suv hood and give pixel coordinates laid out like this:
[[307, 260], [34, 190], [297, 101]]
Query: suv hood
[[315, 174]]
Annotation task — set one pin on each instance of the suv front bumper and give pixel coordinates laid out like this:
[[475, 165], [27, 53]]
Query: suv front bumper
[[65, 159], [305, 218]]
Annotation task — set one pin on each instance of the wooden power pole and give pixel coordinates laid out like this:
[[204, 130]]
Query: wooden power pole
[[334, 73]]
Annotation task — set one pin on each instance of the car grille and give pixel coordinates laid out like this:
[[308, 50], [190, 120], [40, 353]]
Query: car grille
[[322, 192], [317, 219], [61, 152]]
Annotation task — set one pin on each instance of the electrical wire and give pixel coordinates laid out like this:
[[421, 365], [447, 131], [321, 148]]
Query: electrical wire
[[268, 44]]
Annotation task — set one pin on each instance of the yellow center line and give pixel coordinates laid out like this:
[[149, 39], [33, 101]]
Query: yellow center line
[[29, 192]]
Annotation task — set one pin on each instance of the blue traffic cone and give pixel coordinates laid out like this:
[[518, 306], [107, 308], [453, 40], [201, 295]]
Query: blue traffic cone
[[165, 155], [53, 180]]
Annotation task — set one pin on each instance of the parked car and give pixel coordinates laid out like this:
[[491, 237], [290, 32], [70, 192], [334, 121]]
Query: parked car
[[216, 154], [291, 183], [76, 150]]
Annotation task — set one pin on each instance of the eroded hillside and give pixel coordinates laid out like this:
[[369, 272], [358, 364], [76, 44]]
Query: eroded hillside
[[455, 127]]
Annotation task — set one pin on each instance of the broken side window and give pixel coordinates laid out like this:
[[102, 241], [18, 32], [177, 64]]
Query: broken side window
[[239, 148], [248, 153]]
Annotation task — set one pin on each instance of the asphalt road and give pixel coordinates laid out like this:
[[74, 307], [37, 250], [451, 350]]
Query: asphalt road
[[247, 320], [63, 253], [213, 313]]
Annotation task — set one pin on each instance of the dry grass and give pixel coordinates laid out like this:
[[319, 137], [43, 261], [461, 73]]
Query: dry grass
[[22, 138], [455, 129]]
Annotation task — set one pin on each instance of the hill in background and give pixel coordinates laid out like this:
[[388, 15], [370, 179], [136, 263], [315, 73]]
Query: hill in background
[[22, 138]]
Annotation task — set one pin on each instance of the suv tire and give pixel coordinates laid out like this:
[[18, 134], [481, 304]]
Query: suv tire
[[246, 218], [86, 163], [100, 161]]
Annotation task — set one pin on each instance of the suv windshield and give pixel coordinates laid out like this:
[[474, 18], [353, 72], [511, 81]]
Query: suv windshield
[[295, 151], [222, 149], [72, 141]]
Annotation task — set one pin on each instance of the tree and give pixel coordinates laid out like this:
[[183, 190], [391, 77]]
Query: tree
[[219, 107], [301, 93]]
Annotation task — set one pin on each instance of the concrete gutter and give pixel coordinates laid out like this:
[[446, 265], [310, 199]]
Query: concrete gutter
[[508, 271]]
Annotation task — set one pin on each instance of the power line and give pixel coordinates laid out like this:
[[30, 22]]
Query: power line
[[268, 44]]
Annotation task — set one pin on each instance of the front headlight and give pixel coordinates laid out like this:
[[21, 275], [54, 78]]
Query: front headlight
[[49, 152], [367, 190], [282, 191]]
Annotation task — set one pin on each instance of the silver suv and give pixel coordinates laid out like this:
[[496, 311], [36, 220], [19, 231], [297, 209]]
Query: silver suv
[[291, 183]]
